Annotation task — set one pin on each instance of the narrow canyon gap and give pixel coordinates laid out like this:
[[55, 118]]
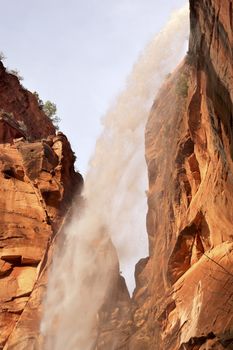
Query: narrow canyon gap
[[115, 202]]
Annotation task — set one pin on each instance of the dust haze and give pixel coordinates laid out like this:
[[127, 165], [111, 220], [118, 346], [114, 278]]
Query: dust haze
[[115, 202]]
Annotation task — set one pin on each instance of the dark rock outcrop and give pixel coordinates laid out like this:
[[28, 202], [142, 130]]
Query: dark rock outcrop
[[24, 107]]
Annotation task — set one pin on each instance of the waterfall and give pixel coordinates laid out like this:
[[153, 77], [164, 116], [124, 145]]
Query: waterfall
[[115, 202]]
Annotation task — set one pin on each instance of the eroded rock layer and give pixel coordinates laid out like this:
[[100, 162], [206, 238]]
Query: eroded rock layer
[[184, 289], [186, 298], [37, 182]]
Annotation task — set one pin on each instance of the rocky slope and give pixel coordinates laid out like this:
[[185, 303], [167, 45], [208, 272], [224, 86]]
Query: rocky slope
[[184, 289], [37, 182]]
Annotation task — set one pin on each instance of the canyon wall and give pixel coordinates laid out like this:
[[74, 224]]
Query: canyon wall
[[184, 289], [37, 182], [184, 293]]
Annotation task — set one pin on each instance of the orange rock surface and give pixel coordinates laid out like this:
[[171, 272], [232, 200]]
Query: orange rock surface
[[186, 298], [184, 289], [37, 180]]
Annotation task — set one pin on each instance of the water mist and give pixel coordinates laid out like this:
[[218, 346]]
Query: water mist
[[116, 202]]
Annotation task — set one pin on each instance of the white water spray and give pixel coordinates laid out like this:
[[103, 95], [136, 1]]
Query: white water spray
[[115, 192]]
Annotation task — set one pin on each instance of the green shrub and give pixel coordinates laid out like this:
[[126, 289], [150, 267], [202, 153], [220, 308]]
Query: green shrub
[[50, 110], [40, 102], [182, 85]]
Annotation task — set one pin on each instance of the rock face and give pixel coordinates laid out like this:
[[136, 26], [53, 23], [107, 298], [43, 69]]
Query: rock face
[[24, 106], [184, 289], [37, 180]]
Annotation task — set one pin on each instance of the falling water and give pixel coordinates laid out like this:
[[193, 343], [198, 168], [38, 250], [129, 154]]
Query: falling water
[[116, 202]]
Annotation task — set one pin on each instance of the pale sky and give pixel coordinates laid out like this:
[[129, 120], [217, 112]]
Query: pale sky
[[78, 53]]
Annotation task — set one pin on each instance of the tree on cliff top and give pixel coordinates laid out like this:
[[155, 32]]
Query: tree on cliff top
[[50, 110]]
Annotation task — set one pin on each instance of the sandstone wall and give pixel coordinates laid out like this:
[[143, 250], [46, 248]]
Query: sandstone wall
[[184, 289], [186, 298], [37, 183]]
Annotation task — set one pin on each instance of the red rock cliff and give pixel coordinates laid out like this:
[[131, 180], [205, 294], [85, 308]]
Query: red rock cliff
[[24, 106], [37, 182], [184, 289]]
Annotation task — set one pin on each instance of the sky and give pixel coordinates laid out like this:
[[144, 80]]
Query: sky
[[78, 54]]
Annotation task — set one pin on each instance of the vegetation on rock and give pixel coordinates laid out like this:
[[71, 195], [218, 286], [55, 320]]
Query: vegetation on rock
[[50, 109], [182, 85]]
